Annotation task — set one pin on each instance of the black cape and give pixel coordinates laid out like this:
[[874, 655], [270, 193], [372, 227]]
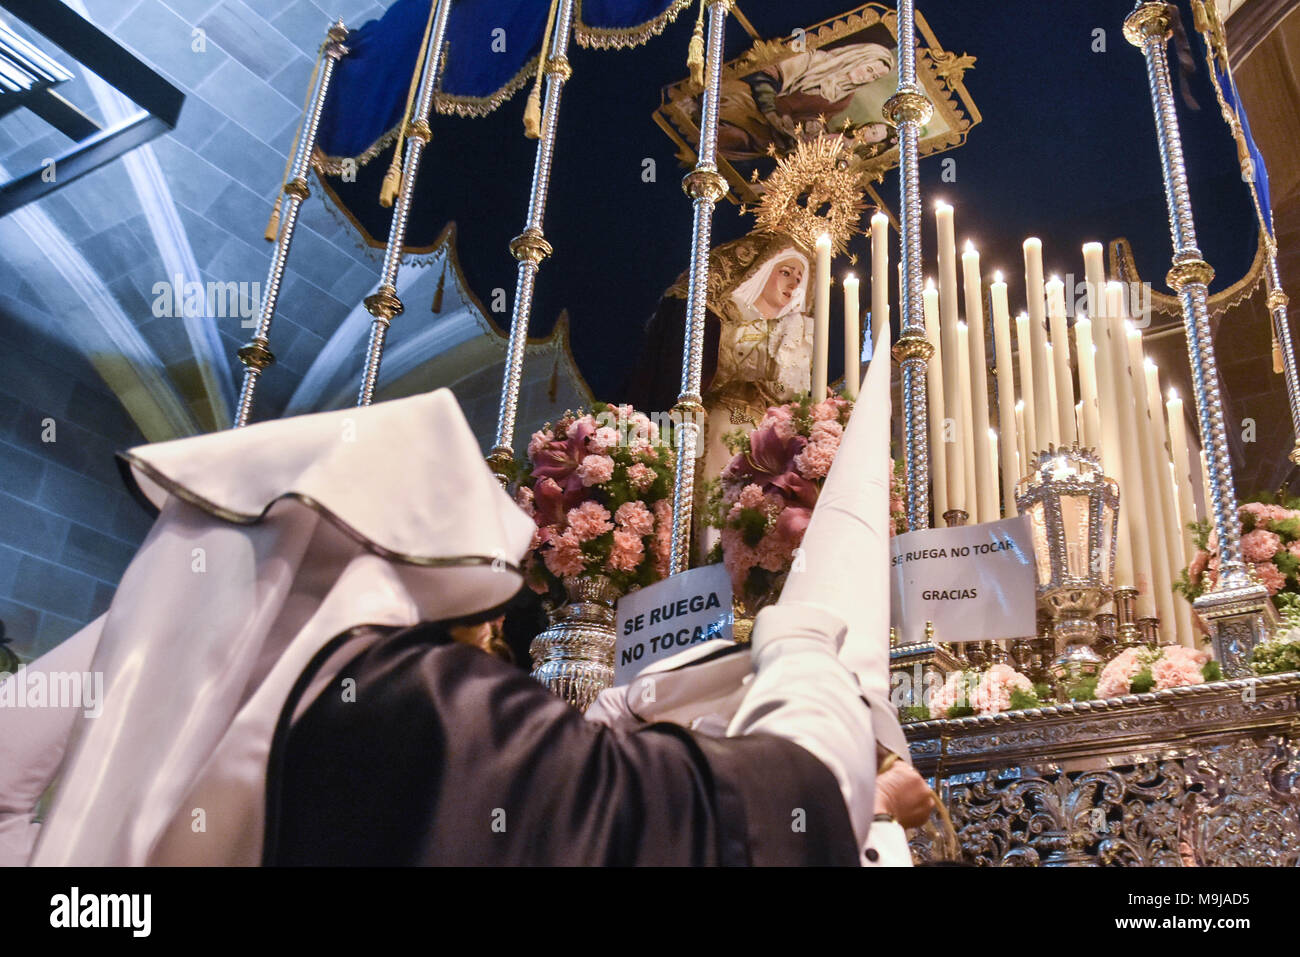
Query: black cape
[[448, 756]]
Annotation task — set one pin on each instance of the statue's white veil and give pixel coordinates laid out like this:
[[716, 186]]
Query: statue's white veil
[[749, 291]]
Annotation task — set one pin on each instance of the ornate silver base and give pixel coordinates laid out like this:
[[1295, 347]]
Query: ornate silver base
[[1238, 619], [1207, 775], [574, 657]]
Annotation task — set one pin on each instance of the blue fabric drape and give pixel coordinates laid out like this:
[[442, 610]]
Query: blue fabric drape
[[489, 42], [1233, 100]]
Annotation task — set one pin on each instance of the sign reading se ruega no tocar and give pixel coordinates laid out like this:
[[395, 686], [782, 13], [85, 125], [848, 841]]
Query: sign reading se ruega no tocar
[[670, 616], [974, 582]]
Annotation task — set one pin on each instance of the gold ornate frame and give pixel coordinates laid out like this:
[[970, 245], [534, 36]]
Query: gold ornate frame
[[940, 71]]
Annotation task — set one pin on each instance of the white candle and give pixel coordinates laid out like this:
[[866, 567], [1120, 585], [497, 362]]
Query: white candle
[[1007, 423], [1095, 275], [1173, 538], [993, 457], [1078, 423], [1153, 481], [969, 437], [852, 338], [1132, 492], [1061, 361], [934, 399], [1111, 414], [1055, 421], [1025, 353], [1045, 426], [879, 272], [1021, 448], [821, 317], [986, 468], [953, 401], [1088, 382], [1182, 471]]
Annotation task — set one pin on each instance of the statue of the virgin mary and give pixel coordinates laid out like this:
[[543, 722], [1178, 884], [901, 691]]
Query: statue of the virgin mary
[[758, 340]]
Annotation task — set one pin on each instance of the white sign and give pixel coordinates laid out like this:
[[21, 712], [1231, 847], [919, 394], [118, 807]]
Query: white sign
[[668, 616], [974, 582]]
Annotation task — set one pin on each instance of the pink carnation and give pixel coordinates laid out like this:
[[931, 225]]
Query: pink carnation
[[1260, 545], [1200, 561], [662, 545], [738, 557], [635, 517], [596, 470], [628, 550], [1270, 577], [751, 496], [524, 499], [945, 697], [815, 460], [603, 439], [1294, 548], [826, 411], [773, 552], [1258, 509], [564, 556], [538, 442], [993, 694], [1178, 666], [640, 476], [1115, 677], [589, 520]]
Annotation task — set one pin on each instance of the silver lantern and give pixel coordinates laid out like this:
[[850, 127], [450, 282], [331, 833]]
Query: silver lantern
[[1073, 513]]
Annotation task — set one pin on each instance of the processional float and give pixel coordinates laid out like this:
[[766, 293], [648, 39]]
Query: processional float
[[415, 38]]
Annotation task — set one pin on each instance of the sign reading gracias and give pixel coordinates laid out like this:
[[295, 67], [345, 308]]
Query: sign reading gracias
[[974, 582]]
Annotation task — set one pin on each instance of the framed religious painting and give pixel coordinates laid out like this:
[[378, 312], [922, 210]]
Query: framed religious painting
[[832, 77]]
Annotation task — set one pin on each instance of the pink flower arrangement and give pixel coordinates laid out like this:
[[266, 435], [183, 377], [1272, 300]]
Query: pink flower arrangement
[[998, 688], [1139, 670], [765, 496], [766, 493], [1270, 546], [601, 496]]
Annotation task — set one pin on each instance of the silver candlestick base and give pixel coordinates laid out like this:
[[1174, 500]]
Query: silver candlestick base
[[1238, 619]]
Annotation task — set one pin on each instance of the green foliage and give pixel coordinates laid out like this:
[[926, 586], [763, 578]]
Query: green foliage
[[752, 524], [1288, 528], [1187, 588], [1200, 533], [1024, 700], [1044, 691], [713, 512], [1287, 603], [1286, 563], [1211, 671], [914, 713], [1084, 690], [1278, 654], [1142, 682], [960, 711]]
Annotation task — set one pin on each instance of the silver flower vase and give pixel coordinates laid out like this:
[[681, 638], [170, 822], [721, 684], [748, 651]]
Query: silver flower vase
[[574, 657]]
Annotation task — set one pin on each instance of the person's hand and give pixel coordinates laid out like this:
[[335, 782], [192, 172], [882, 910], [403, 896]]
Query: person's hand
[[902, 792]]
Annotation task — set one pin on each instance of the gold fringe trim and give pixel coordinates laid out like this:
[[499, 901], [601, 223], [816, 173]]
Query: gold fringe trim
[[1124, 267], [621, 38], [450, 105], [333, 165]]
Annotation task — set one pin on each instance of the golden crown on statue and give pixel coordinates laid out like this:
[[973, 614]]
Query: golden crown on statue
[[815, 189]]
